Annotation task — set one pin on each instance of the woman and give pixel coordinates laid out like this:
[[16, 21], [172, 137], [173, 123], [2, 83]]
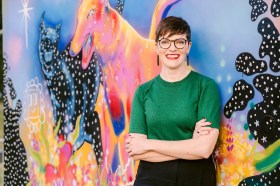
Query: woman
[[175, 117]]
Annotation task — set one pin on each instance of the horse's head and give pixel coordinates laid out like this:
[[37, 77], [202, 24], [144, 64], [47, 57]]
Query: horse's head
[[48, 46], [92, 17]]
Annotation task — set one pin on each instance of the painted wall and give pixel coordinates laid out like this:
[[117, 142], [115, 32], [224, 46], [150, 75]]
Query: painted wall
[[71, 69]]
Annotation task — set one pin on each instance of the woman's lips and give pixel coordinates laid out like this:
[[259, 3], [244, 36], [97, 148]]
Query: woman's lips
[[172, 56]]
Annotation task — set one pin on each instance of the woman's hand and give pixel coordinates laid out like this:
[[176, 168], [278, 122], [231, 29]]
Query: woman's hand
[[202, 128], [135, 144]]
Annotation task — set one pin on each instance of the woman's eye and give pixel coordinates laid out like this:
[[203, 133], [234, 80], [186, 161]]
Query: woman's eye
[[164, 42], [181, 42]]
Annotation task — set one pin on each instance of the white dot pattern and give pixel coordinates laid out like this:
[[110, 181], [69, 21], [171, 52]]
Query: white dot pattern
[[242, 94], [15, 166], [247, 64], [275, 8], [73, 90], [264, 118], [270, 43], [120, 6], [271, 178], [258, 7]]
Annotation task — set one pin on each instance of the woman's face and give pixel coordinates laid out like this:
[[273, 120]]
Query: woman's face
[[172, 50]]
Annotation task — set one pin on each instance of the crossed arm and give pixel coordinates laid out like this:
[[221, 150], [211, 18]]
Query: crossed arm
[[200, 146]]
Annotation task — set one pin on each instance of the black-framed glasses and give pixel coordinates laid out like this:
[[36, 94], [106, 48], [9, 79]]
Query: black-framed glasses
[[165, 43]]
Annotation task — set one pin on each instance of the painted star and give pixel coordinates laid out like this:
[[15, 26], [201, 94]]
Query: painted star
[[264, 139], [266, 89], [257, 123], [25, 12]]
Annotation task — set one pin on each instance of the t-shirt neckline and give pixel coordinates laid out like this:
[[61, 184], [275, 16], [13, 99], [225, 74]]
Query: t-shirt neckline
[[175, 83]]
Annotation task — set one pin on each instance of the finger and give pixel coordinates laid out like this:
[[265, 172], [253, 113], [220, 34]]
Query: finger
[[205, 129], [131, 153], [128, 141], [203, 124], [127, 150], [202, 120], [135, 135], [203, 133]]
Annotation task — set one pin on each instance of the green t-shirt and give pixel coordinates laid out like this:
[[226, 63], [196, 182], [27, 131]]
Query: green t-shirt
[[169, 110]]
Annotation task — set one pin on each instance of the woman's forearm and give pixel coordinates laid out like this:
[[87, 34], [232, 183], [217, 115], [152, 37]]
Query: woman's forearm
[[190, 149], [152, 156], [185, 149]]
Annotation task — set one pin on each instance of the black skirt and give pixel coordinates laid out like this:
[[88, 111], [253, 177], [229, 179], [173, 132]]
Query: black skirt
[[176, 173]]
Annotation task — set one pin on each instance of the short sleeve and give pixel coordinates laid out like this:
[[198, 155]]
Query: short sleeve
[[209, 106], [137, 115]]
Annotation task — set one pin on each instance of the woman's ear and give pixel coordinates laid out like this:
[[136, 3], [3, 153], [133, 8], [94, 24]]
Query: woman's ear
[[190, 45], [156, 48]]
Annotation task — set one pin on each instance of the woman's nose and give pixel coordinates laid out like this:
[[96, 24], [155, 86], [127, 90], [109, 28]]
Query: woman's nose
[[172, 46]]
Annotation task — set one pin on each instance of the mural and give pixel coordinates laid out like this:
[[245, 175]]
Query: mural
[[70, 76]]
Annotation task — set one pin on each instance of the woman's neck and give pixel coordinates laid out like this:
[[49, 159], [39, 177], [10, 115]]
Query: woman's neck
[[173, 75]]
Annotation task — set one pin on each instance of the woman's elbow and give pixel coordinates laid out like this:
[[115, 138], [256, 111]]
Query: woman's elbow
[[206, 155], [135, 158], [207, 152], [209, 144]]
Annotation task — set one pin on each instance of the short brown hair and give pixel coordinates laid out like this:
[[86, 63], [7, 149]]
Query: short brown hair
[[173, 25]]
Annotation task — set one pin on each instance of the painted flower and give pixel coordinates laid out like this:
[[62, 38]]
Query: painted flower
[[64, 174]]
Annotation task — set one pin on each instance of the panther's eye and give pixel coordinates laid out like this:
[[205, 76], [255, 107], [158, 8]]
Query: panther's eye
[[91, 12]]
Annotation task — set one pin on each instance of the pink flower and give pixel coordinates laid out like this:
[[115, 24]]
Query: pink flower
[[63, 174]]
